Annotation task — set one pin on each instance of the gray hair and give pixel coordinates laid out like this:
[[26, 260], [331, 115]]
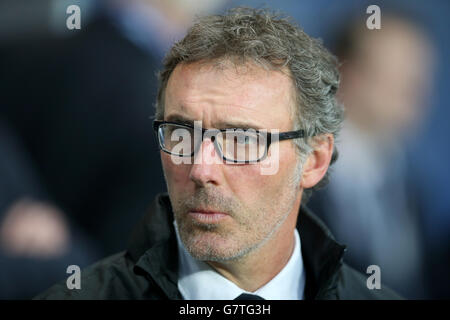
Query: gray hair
[[272, 41]]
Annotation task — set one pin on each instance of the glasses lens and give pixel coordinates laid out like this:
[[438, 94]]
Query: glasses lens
[[236, 145], [242, 146], [176, 139]]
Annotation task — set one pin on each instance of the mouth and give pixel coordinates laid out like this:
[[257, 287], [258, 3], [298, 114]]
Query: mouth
[[207, 216]]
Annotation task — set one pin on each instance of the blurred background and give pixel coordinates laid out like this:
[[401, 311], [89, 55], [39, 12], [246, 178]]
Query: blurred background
[[79, 164]]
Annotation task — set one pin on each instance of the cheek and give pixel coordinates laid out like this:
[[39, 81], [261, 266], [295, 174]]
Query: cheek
[[176, 174], [248, 184]]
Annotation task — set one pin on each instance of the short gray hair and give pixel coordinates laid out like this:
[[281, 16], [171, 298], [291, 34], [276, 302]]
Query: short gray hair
[[270, 40]]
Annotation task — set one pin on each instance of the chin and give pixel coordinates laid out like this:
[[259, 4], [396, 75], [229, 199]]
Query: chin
[[205, 246], [214, 248]]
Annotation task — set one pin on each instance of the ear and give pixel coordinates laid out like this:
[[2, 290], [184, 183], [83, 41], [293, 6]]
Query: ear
[[318, 161]]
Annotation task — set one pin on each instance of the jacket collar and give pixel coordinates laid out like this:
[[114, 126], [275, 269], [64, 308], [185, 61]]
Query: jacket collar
[[322, 256], [153, 249]]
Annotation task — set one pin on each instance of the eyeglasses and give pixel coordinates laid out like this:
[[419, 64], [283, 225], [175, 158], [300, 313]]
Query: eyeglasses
[[233, 145]]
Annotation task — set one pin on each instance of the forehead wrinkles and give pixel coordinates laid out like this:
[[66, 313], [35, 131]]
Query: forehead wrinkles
[[191, 79]]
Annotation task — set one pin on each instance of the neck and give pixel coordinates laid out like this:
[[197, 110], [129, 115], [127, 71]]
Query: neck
[[262, 264]]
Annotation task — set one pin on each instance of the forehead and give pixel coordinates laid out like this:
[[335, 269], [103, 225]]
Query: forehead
[[397, 41], [225, 92]]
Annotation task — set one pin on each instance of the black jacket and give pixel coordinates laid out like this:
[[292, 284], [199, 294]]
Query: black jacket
[[149, 268]]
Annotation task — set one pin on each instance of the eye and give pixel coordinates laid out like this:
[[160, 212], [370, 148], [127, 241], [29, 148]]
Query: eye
[[245, 139]]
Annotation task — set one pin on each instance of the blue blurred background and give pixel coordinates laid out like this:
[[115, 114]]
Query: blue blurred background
[[79, 163]]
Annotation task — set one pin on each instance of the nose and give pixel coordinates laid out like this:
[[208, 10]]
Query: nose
[[207, 167]]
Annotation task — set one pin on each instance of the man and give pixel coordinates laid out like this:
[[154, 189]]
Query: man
[[385, 101], [228, 228]]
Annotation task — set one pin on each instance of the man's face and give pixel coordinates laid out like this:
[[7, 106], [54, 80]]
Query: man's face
[[224, 211], [386, 85]]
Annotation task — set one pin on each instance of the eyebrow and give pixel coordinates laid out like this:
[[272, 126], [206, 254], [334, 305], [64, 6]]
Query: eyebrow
[[180, 119], [220, 125]]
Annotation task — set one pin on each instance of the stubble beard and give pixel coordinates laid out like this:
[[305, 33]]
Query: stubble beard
[[240, 241]]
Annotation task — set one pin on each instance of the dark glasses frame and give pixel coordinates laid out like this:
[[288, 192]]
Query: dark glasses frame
[[281, 136]]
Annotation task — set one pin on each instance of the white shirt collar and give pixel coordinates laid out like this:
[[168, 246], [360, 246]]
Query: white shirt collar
[[198, 281]]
